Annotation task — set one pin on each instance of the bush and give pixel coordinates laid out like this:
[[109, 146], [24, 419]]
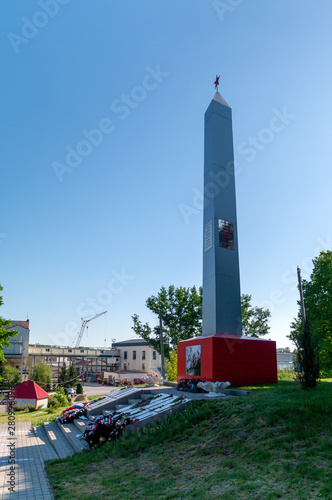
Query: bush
[[79, 388], [286, 374], [59, 399], [53, 403], [18, 408], [30, 408]]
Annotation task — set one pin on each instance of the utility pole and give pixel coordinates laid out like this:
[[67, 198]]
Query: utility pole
[[301, 294], [162, 347]]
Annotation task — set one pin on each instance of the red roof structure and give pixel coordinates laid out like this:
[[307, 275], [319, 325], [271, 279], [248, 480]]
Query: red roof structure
[[23, 324], [30, 390]]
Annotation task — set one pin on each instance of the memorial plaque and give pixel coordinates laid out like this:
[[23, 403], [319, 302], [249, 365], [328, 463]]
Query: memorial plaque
[[208, 236], [193, 360], [226, 234]]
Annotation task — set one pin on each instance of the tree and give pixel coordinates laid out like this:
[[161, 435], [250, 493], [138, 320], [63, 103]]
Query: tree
[[5, 334], [63, 375], [172, 366], [254, 319], [181, 313], [73, 376], [317, 294], [284, 350], [42, 375], [10, 375], [79, 388], [306, 363], [68, 377]]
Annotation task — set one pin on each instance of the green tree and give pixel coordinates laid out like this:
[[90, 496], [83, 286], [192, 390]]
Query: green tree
[[42, 375], [5, 334], [306, 362], [172, 366], [255, 320], [181, 313], [68, 377], [10, 375], [79, 388], [63, 375], [284, 349], [72, 376], [317, 294]]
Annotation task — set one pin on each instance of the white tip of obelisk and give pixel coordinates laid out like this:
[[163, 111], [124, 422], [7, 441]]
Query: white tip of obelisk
[[219, 98]]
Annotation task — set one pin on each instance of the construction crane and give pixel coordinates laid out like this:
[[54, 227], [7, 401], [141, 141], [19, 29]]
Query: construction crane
[[84, 323]]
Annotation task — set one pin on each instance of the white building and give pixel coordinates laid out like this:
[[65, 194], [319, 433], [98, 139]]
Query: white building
[[285, 360], [17, 354], [138, 356], [30, 393]]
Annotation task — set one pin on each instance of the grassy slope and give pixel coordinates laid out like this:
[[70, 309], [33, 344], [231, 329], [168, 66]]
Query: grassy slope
[[274, 443]]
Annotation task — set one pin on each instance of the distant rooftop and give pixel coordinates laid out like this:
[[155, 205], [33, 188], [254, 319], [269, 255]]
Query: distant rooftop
[[23, 324], [131, 342]]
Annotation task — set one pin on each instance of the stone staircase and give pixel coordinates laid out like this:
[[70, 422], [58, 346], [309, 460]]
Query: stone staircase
[[61, 440]]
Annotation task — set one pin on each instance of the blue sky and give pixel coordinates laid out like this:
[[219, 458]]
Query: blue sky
[[106, 228]]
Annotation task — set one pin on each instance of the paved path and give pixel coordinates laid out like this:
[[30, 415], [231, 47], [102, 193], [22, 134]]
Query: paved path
[[30, 479], [95, 389]]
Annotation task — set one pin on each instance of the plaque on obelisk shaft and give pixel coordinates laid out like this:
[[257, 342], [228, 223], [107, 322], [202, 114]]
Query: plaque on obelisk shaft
[[221, 276]]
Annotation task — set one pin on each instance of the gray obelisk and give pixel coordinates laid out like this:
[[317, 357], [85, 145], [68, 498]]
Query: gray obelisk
[[221, 276]]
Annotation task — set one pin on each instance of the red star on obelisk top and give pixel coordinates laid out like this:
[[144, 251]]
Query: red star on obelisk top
[[216, 83]]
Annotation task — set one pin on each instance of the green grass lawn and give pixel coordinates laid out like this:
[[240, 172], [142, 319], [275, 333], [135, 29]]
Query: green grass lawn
[[274, 443], [35, 417]]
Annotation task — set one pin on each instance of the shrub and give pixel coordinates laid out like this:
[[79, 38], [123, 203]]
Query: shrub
[[53, 403], [286, 374], [58, 399], [18, 408], [30, 408], [79, 388]]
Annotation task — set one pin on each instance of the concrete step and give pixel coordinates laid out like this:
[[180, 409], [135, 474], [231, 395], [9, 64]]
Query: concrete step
[[80, 424], [117, 407], [71, 433], [146, 395], [45, 447], [159, 408], [117, 397], [133, 401], [58, 440]]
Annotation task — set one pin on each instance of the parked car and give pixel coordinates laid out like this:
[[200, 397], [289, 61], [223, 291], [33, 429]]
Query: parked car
[[71, 391]]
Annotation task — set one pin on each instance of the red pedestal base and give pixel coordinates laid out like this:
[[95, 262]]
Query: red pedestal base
[[237, 359]]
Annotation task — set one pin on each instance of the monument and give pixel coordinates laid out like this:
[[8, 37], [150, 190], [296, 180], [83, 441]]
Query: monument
[[223, 353]]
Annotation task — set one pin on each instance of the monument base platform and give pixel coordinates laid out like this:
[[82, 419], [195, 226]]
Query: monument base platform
[[222, 357]]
